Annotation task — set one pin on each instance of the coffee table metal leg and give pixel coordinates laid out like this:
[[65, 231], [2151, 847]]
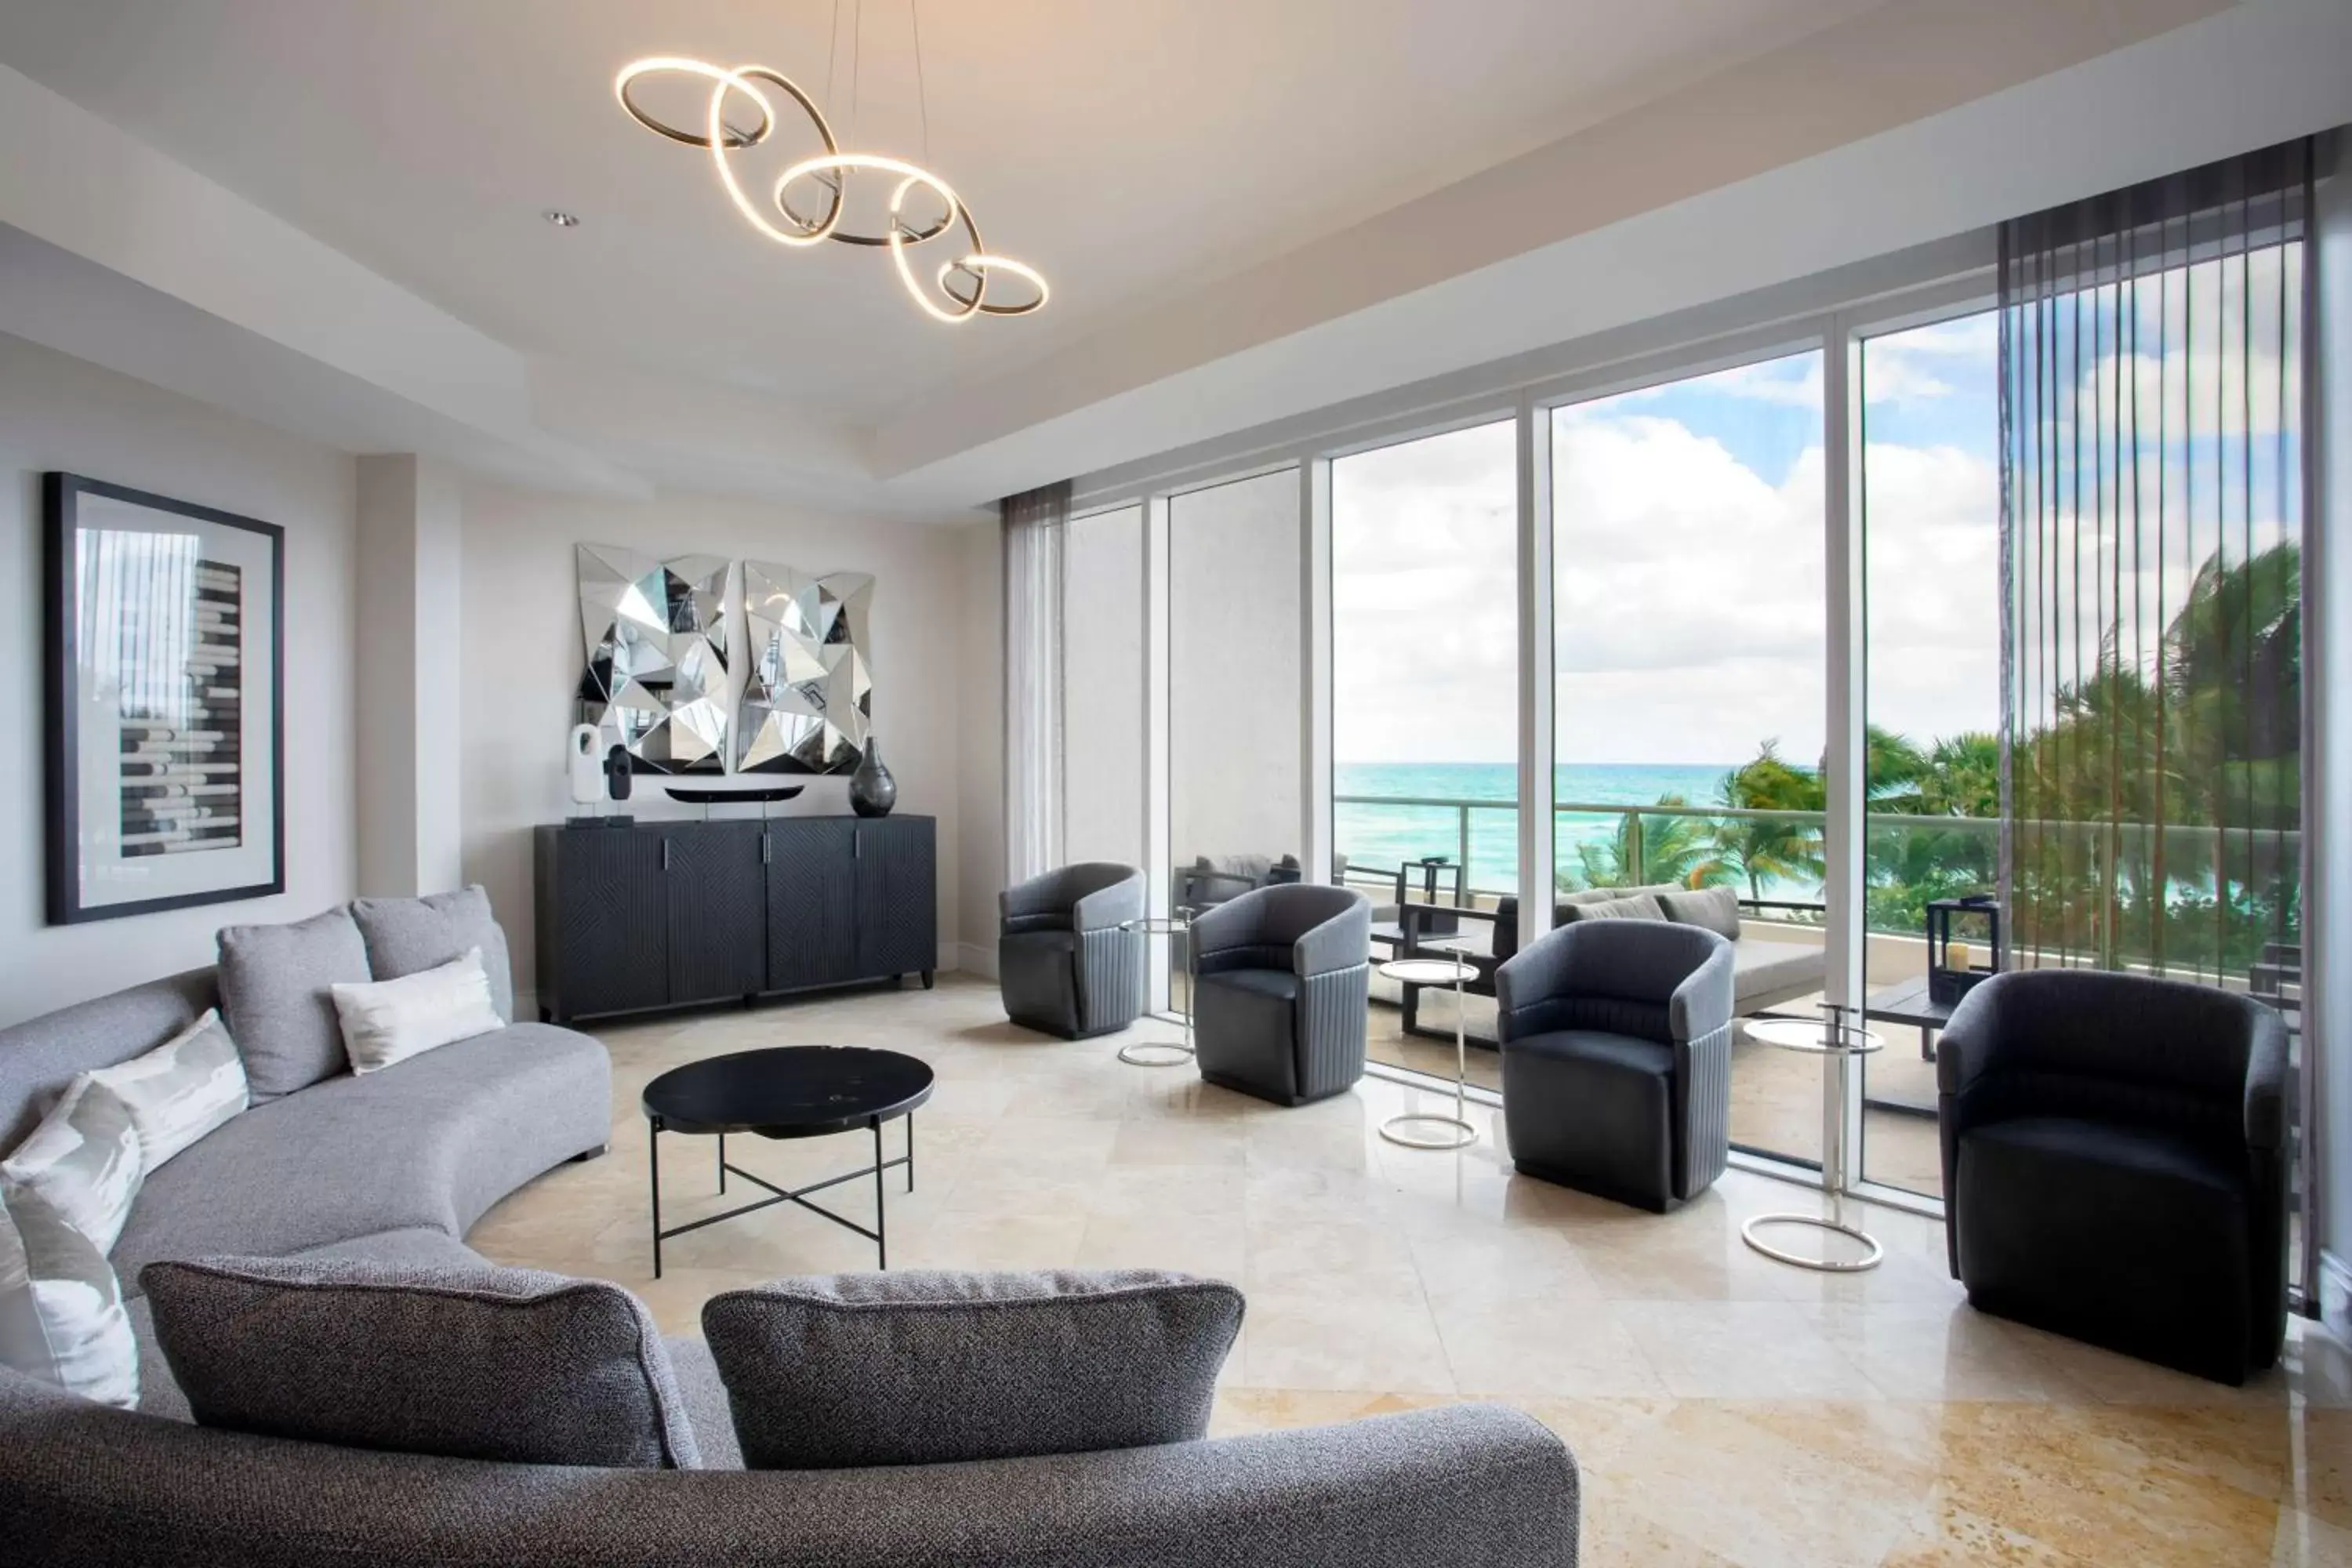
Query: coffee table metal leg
[[653, 1166], [722, 1162], [881, 1204], [911, 1151]]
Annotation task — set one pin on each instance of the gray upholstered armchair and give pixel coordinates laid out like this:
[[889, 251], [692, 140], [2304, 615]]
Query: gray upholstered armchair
[[2115, 1163], [1282, 978], [1062, 963], [1616, 1041]]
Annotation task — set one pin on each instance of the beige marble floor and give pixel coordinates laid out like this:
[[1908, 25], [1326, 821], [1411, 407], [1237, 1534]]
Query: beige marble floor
[[1725, 1409]]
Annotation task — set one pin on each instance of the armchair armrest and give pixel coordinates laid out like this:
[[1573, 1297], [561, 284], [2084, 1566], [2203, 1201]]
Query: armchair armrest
[[1341, 942], [1971, 1042], [1526, 984], [1106, 908], [1702, 1003], [2266, 1083], [1236, 922]]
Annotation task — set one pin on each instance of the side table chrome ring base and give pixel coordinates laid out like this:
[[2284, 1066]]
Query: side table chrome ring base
[[1178, 1053], [1869, 1260], [1443, 1131]]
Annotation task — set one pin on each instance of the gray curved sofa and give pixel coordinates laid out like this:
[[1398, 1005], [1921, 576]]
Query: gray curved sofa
[[396, 1166]]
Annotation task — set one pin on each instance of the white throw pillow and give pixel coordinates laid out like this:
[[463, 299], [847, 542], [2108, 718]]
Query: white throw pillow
[[61, 1317], [181, 1090], [391, 1020], [83, 1161]]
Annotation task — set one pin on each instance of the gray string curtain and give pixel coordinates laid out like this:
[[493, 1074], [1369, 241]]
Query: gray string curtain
[[1035, 522], [2155, 492]]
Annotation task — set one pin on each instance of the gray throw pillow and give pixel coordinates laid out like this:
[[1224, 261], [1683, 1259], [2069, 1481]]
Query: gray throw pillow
[[1712, 909], [505, 1364], [1637, 907], [920, 1368], [274, 996], [408, 936]]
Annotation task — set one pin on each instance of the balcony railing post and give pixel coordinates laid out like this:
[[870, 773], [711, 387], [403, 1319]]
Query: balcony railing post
[[1462, 833], [1633, 834]]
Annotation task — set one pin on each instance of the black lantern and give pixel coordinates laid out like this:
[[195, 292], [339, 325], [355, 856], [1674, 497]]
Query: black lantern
[[1963, 944]]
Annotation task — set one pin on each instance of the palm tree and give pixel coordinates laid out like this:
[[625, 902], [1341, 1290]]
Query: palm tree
[[1649, 848]]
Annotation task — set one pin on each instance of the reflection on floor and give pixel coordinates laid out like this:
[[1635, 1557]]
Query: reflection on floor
[[1776, 1095], [1725, 1409]]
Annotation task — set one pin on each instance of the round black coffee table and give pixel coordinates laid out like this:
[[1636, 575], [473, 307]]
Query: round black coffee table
[[788, 1092]]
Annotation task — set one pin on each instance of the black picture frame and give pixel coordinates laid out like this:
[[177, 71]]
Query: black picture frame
[[61, 497]]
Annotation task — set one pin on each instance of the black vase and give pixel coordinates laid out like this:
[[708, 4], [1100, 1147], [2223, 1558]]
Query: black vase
[[872, 791]]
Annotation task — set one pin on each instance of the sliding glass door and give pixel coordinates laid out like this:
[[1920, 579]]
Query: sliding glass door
[[1424, 676], [1689, 651]]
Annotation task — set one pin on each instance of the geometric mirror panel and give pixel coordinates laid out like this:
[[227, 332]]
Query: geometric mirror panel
[[808, 692], [653, 637]]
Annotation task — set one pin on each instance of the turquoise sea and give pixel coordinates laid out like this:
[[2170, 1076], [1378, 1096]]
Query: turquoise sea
[[1386, 836]]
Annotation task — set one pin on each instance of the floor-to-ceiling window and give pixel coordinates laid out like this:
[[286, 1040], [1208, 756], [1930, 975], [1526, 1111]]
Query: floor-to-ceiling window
[[1424, 676], [1930, 503], [1234, 784], [1688, 645]]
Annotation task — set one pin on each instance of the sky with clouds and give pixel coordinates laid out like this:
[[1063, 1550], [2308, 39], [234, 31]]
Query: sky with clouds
[[1689, 552]]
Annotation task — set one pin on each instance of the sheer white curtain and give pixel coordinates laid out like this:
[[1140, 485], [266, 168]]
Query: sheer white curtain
[[1034, 525]]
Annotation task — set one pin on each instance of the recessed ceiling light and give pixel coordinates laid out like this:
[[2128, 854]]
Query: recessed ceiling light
[[561, 219]]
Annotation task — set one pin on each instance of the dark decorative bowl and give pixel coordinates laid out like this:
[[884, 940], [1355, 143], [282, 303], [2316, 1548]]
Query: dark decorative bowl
[[765, 794]]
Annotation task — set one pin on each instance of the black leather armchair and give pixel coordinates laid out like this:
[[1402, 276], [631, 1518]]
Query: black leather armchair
[[2114, 1164], [1616, 1042], [1282, 980], [1062, 963]]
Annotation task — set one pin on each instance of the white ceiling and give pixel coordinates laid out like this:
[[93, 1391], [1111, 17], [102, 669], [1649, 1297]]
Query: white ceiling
[[1130, 149], [1164, 161]]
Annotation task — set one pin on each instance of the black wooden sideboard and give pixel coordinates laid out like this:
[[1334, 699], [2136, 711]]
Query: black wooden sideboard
[[666, 914]]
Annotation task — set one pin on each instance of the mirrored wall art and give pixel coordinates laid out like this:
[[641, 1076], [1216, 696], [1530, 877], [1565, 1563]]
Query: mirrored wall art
[[808, 694], [165, 740], [654, 638]]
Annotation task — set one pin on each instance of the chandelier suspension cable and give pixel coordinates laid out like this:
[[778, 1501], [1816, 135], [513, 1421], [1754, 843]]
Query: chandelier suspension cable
[[923, 93], [831, 49]]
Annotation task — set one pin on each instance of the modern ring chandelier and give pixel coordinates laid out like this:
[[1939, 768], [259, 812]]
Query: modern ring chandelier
[[807, 205]]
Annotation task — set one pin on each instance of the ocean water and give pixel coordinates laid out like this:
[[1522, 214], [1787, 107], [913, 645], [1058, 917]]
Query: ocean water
[[1386, 836]]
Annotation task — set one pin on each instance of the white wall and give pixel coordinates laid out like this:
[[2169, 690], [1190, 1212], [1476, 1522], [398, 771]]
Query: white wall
[[60, 413], [522, 654]]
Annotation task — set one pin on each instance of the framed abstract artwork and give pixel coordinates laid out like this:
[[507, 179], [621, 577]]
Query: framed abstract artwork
[[165, 727]]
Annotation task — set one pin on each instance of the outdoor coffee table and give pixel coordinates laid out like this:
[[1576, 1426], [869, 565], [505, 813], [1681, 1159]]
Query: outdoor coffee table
[[788, 1092], [1838, 1037]]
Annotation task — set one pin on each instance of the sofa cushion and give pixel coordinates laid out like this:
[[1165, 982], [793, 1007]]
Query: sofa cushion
[[403, 936], [61, 1317], [1711, 909], [1763, 970], [388, 1021], [432, 1144], [1599, 1049], [273, 982], [505, 1364], [181, 1090], [82, 1162], [1637, 906], [922, 1367]]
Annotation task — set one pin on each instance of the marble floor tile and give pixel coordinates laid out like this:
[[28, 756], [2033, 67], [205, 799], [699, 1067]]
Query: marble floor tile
[[1725, 1410]]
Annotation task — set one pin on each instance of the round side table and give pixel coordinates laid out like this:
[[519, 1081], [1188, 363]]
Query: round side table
[[1425, 1130], [1164, 1052], [1844, 1041]]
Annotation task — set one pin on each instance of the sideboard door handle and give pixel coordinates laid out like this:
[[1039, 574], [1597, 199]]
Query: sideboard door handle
[[764, 842], [665, 854], [857, 844]]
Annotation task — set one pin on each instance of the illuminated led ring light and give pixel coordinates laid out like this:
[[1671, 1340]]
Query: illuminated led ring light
[[831, 170], [979, 266]]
